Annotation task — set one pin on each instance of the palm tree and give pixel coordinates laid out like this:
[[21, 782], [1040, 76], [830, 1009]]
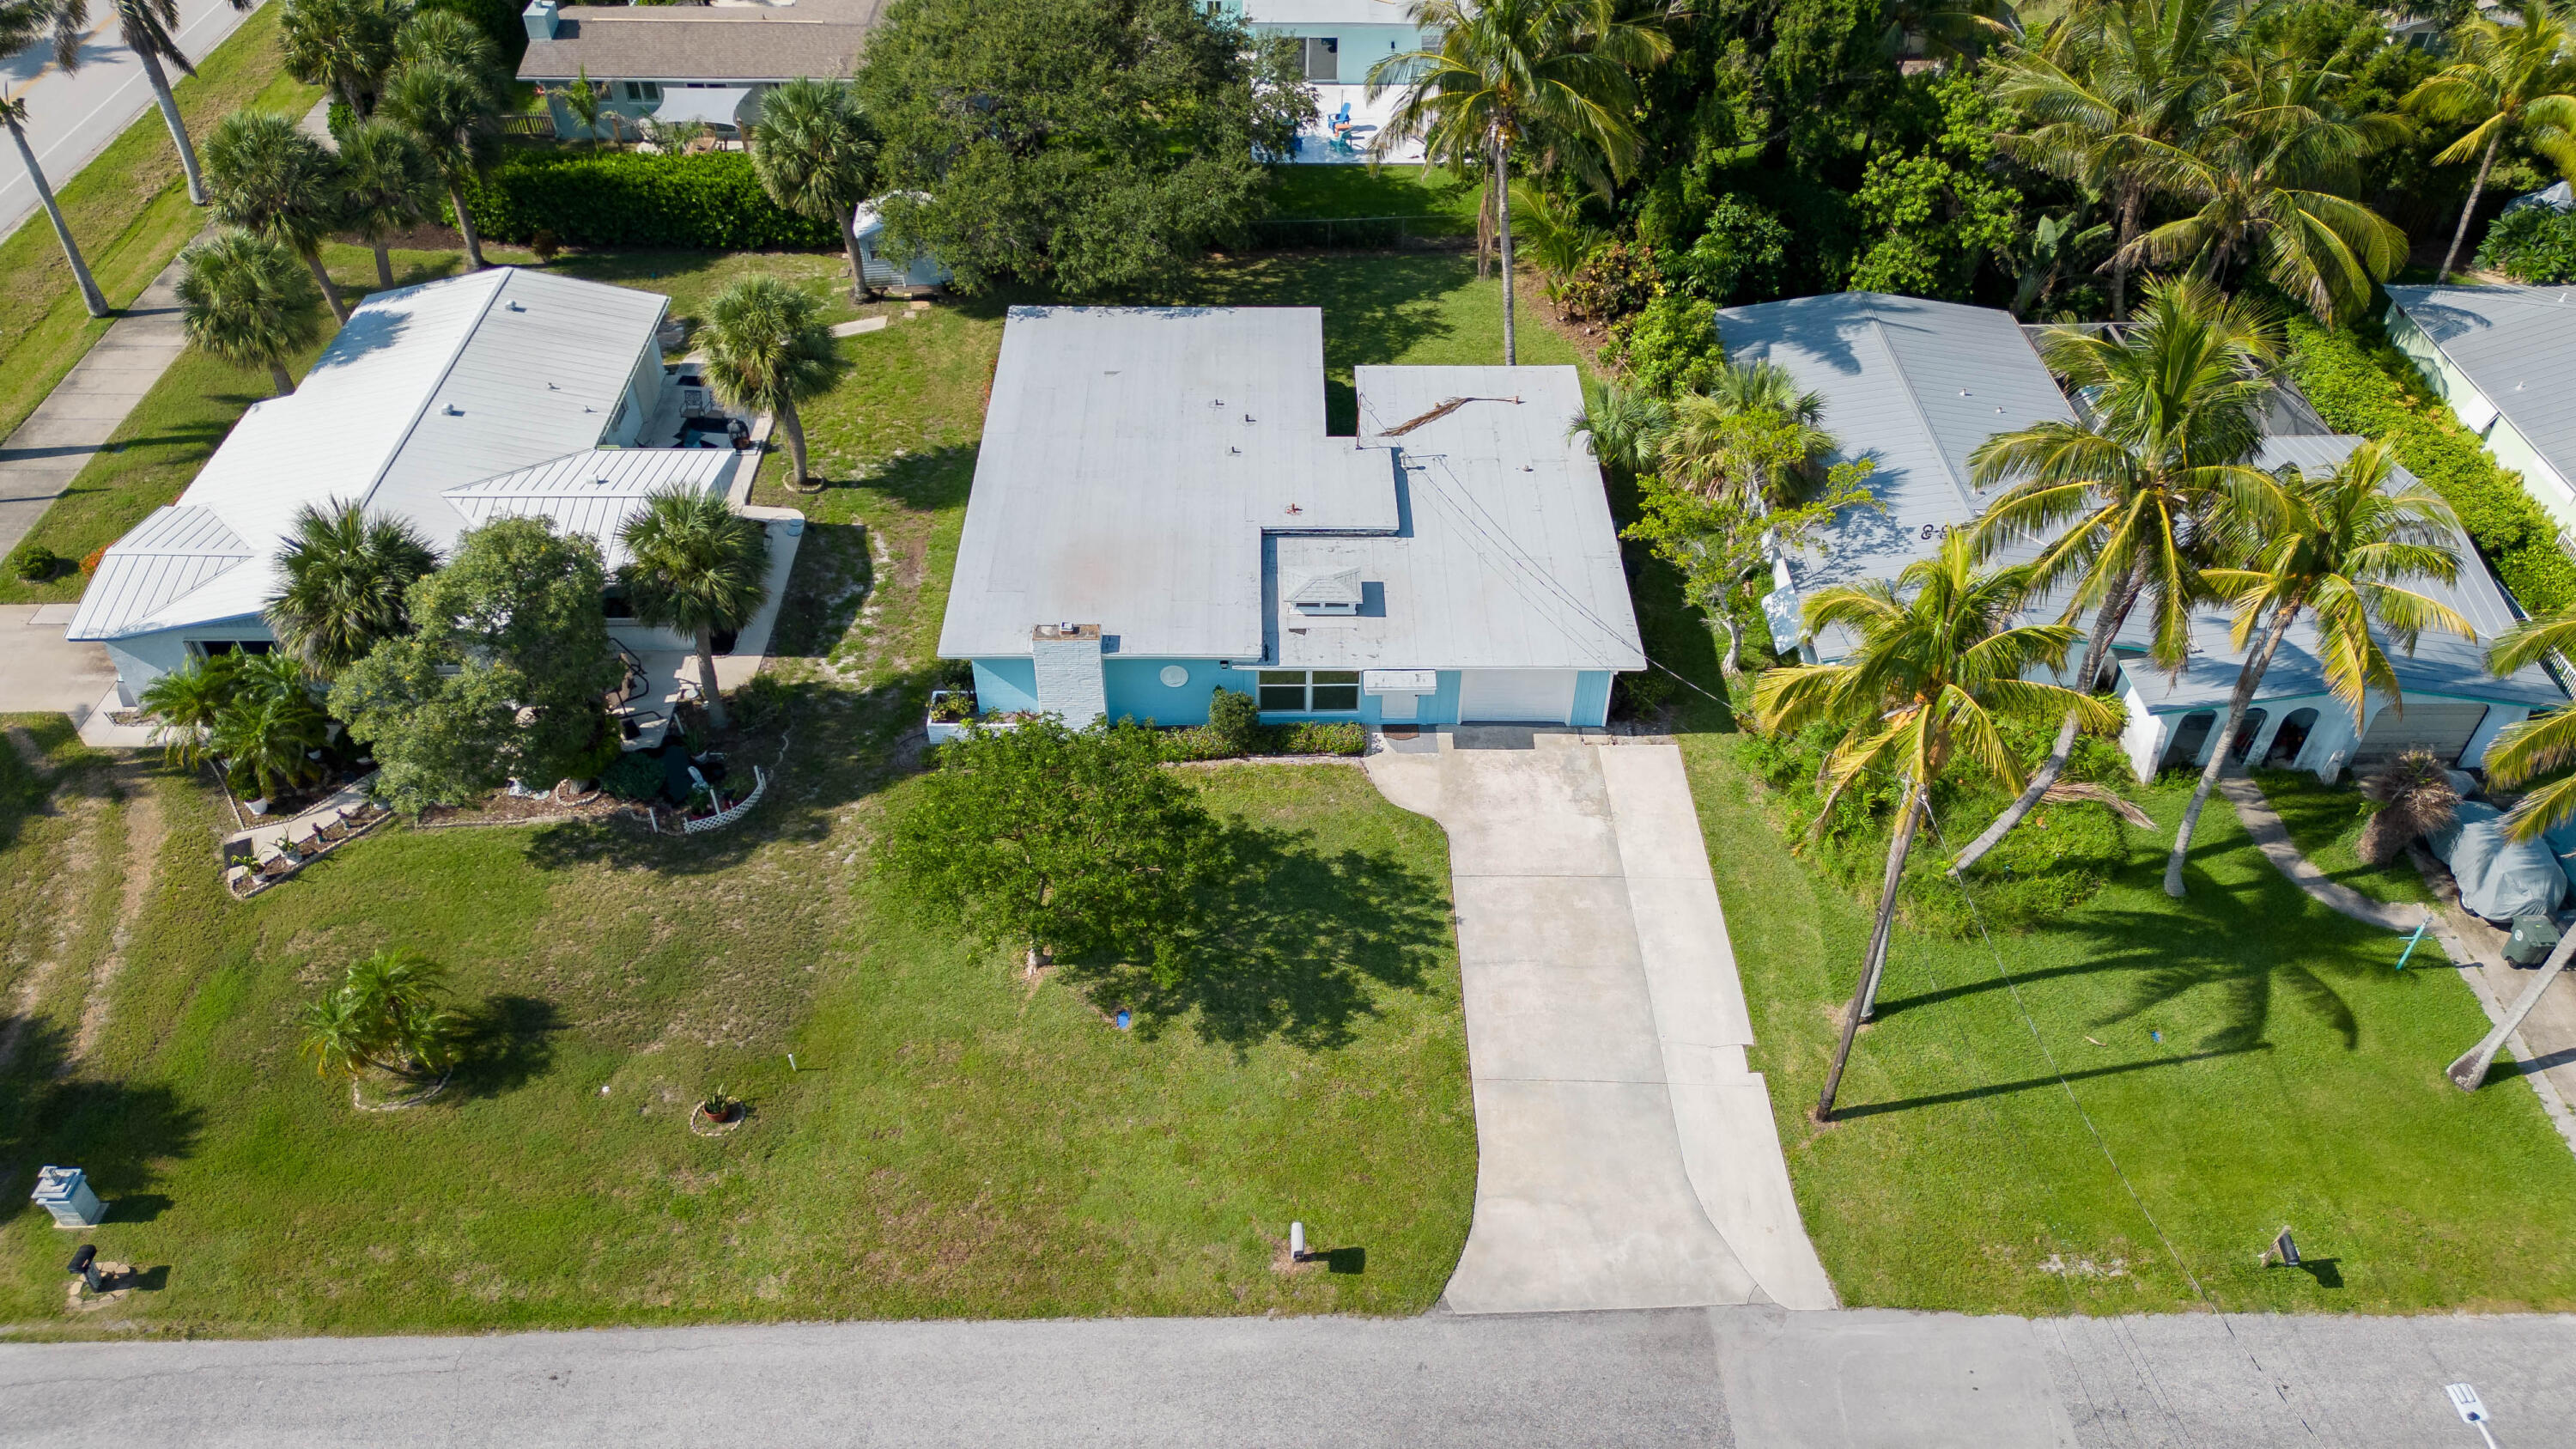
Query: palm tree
[[2510, 76], [2175, 399], [2537, 746], [766, 348], [584, 100], [816, 155], [243, 299], [385, 187], [388, 1014], [450, 111], [268, 177], [2271, 178], [2336, 549], [1626, 426], [1753, 433], [1936, 668], [184, 704], [22, 24], [343, 577], [2112, 85], [344, 46], [447, 37], [1552, 74], [696, 567], [264, 738], [146, 26]]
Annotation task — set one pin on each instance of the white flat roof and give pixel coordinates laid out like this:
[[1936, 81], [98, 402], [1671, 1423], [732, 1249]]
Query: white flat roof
[[1160, 471]]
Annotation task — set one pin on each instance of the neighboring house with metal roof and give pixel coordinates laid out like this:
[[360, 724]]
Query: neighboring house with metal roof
[[706, 63], [1915, 386], [2504, 358], [1158, 511], [500, 393]]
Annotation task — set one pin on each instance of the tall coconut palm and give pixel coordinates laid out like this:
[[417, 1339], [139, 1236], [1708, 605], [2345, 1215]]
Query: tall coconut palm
[[448, 37], [342, 580], [22, 24], [242, 298], [1937, 667], [1553, 75], [265, 175], [386, 185], [767, 348], [2112, 85], [2271, 178], [2125, 497], [344, 46], [451, 112], [2337, 549], [2539, 746], [2510, 77], [696, 567], [816, 155], [184, 704], [1754, 434], [146, 27]]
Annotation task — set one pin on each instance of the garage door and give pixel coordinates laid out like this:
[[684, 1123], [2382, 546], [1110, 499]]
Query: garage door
[[1516, 696], [2442, 728]]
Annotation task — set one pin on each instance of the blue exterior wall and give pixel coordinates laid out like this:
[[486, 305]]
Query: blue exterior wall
[[1136, 691], [1592, 698]]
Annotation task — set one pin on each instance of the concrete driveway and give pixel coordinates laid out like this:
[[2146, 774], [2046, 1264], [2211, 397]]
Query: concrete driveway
[[1625, 1156], [41, 672]]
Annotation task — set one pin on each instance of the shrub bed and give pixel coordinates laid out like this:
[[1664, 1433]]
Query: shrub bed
[[1204, 742], [706, 202], [2364, 385]]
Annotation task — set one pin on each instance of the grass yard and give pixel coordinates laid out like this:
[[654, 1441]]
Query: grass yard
[[960, 1143], [129, 212], [1445, 202]]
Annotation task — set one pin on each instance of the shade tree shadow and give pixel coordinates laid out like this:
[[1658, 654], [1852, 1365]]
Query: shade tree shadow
[[118, 1133], [1291, 944]]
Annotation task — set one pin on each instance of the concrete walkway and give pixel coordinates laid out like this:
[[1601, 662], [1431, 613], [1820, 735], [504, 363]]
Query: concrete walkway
[[75, 420], [1625, 1156], [41, 672]]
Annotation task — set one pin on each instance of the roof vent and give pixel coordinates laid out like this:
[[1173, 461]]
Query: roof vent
[[454, 411], [1334, 591], [513, 306]]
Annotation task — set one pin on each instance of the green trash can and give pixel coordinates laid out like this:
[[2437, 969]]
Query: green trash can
[[2533, 938]]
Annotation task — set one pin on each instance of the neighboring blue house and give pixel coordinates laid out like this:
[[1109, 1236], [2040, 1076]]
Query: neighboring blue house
[[1158, 511]]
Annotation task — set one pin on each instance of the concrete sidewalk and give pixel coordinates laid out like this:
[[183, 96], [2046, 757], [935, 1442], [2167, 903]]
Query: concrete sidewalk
[[74, 422], [1625, 1157]]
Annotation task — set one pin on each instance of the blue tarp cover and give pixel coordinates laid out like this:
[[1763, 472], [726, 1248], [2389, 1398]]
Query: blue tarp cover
[[2499, 879]]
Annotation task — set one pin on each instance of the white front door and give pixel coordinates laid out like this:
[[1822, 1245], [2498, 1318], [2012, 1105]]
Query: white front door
[[1516, 696]]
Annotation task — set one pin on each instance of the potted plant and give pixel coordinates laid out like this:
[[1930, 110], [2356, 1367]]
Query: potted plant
[[720, 1108], [950, 709]]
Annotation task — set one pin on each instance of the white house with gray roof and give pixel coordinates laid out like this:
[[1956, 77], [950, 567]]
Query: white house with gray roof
[[1916, 385], [2504, 358], [447, 405], [1159, 511]]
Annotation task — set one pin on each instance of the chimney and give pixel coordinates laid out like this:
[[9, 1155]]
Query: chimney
[[1069, 681], [540, 19]]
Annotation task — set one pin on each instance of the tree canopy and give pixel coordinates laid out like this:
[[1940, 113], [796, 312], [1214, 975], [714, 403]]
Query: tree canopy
[[1090, 145], [503, 677]]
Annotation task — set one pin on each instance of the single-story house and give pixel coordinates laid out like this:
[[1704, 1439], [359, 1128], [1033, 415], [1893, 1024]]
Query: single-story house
[[670, 63], [1915, 386], [2504, 358], [1158, 511], [447, 405]]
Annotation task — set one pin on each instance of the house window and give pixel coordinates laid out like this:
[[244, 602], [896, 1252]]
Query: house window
[[642, 90], [212, 647], [1301, 691]]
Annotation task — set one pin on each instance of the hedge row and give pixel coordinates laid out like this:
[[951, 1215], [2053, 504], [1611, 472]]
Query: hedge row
[[2370, 388], [707, 202]]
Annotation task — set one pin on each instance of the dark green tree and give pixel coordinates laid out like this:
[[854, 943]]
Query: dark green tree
[[1057, 842], [1091, 145], [504, 676], [342, 581]]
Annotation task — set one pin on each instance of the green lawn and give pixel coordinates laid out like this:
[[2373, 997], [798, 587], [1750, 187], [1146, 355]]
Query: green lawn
[[129, 212], [1332, 192], [961, 1143]]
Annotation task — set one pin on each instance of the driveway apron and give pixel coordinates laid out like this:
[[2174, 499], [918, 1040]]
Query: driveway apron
[[1625, 1156]]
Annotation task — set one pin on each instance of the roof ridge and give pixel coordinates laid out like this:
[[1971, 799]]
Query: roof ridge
[[1924, 419], [384, 465]]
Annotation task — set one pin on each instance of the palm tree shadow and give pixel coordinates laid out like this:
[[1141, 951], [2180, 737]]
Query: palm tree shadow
[[505, 1043], [1291, 944], [2217, 948]]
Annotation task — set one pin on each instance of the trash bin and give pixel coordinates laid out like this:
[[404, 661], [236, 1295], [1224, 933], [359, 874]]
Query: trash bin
[[2533, 938], [64, 1192]]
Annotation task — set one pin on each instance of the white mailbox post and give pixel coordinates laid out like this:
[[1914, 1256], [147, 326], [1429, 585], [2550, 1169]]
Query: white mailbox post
[[64, 1192]]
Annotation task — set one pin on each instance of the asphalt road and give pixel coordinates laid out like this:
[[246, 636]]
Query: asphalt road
[[1709, 1378], [71, 118]]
